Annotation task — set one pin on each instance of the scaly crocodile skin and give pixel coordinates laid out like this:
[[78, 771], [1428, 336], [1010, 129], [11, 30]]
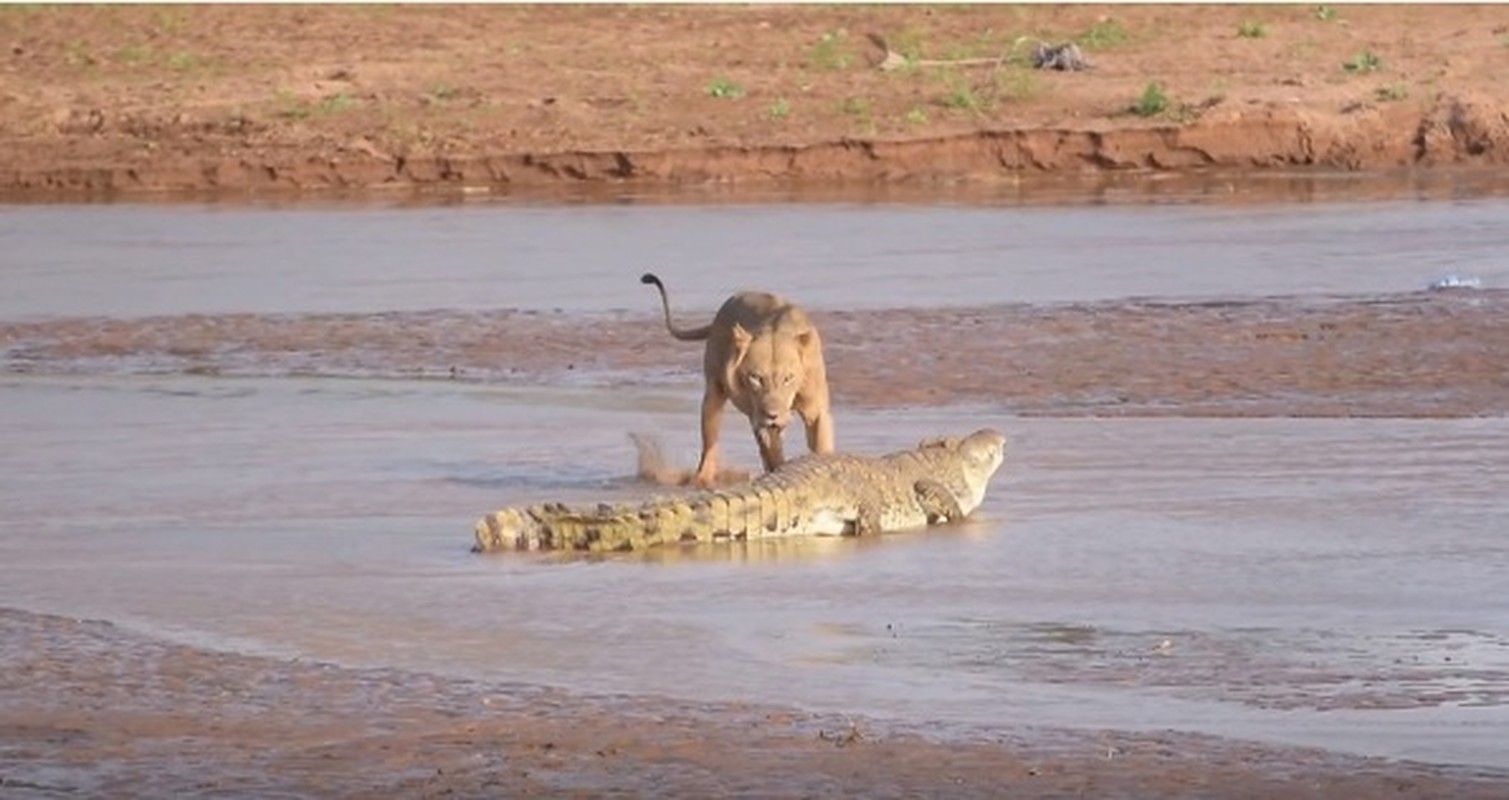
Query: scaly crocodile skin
[[834, 494]]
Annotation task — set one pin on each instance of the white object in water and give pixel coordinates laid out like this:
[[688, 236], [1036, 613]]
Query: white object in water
[[1455, 282]]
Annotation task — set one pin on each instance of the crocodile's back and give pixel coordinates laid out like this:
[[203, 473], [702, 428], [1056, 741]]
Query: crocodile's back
[[829, 494]]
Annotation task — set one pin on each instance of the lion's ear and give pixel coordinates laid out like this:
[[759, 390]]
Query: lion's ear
[[741, 339]]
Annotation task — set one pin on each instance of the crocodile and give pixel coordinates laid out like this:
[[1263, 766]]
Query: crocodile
[[832, 494]]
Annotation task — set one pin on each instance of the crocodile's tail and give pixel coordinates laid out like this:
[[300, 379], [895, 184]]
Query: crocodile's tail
[[555, 526], [684, 334]]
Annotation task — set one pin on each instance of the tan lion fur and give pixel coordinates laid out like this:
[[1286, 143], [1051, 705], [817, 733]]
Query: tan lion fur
[[763, 355]]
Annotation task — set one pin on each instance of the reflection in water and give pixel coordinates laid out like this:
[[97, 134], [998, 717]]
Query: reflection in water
[[764, 552]]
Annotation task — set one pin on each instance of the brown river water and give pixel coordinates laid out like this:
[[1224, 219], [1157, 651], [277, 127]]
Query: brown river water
[[266, 432]]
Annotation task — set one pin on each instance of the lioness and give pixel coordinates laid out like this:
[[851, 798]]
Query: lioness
[[764, 355]]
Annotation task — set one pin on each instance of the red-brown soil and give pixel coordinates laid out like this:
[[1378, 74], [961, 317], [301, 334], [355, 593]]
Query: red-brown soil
[[499, 98]]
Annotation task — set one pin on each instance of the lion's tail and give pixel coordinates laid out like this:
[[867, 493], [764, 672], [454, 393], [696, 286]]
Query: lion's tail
[[684, 334]]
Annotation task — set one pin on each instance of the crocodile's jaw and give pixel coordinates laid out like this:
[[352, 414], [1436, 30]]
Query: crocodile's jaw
[[982, 452]]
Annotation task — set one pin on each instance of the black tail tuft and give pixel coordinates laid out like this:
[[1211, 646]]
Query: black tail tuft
[[649, 277]]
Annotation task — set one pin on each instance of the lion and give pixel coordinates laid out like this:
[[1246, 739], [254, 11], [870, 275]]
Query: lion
[[764, 355]]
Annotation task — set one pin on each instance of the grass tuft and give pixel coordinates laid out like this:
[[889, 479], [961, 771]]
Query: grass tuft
[[1152, 102], [1252, 30], [832, 51], [724, 89], [1366, 61], [1103, 34]]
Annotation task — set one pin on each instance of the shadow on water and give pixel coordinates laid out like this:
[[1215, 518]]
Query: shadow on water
[[1024, 189]]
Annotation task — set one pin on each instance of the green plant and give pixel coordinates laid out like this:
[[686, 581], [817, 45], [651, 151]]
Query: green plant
[[917, 116], [780, 109], [1016, 83], [1105, 33], [135, 54], [855, 106], [1325, 13], [183, 61], [1392, 92], [909, 44], [289, 106], [859, 109], [724, 89], [961, 95], [169, 20], [336, 103], [832, 50], [1252, 30], [1152, 102], [442, 93], [1366, 61], [79, 55]]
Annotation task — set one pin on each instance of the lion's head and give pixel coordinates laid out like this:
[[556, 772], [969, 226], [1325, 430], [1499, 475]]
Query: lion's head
[[768, 369]]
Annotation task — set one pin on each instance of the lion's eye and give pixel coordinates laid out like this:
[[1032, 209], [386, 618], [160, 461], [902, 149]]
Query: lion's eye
[[754, 380], [787, 379]]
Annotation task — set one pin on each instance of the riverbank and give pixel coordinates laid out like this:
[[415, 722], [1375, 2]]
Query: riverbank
[[140, 100]]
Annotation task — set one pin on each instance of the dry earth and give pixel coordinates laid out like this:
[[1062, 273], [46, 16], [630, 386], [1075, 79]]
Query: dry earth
[[141, 98]]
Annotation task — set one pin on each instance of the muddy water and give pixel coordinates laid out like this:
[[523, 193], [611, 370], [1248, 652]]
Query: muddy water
[[147, 260], [1327, 582], [1322, 582]]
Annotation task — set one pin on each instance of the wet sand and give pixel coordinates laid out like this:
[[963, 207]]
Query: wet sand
[[95, 711], [1424, 354]]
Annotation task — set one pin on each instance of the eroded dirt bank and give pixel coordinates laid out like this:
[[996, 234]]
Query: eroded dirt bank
[[233, 98]]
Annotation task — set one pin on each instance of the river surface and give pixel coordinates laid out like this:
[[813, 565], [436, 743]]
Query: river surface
[[1327, 582], [131, 261]]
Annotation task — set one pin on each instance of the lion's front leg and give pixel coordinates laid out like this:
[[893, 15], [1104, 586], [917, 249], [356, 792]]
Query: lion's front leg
[[817, 418], [713, 401], [819, 432]]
